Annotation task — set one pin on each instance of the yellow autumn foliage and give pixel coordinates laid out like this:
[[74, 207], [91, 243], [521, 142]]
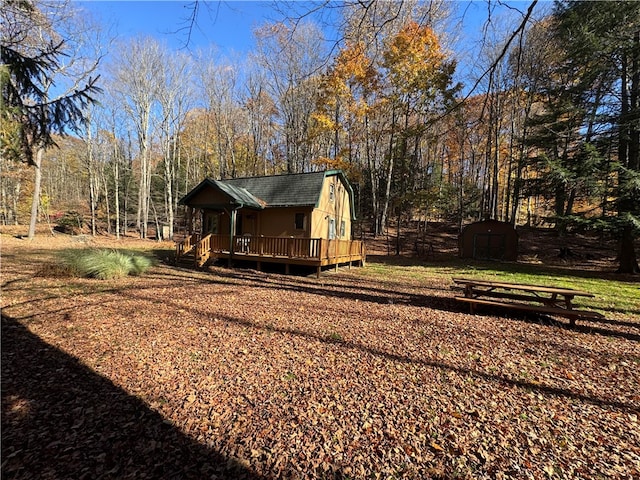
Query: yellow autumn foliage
[[413, 57]]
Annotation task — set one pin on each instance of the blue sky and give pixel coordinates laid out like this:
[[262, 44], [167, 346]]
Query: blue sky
[[229, 24]]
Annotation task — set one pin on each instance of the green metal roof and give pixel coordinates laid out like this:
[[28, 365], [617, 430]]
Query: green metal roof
[[237, 195], [292, 190]]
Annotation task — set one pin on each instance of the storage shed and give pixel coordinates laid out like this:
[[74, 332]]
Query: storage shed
[[489, 240]]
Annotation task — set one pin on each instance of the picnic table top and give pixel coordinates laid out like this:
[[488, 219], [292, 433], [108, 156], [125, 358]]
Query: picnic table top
[[523, 287]]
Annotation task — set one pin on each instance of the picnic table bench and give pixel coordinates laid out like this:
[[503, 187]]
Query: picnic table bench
[[532, 298]]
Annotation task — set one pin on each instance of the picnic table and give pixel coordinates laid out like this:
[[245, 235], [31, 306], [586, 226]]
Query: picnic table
[[533, 298]]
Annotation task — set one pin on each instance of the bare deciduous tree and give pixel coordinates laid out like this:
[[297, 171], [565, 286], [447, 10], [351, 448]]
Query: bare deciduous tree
[[136, 82], [292, 58]]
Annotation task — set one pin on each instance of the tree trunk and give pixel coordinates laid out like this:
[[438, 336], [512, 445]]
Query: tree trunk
[[37, 185], [628, 262], [116, 193], [630, 157], [93, 187], [16, 196], [387, 191], [106, 199], [372, 175]]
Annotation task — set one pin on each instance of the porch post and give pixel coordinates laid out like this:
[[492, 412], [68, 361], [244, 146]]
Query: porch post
[[231, 233], [189, 220]]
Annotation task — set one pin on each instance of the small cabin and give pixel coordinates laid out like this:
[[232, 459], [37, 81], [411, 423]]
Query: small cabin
[[301, 218], [489, 240]]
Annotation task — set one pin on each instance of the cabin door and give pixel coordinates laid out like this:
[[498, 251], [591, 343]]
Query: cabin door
[[249, 227], [210, 223]]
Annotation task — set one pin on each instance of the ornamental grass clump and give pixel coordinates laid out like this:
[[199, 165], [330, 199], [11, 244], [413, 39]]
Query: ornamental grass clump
[[104, 264], [139, 263]]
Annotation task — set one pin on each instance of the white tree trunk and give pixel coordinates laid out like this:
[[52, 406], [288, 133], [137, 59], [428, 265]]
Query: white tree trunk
[[37, 185]]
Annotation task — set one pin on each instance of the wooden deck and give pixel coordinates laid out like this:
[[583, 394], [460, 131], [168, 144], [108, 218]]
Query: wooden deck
[[313, 252]]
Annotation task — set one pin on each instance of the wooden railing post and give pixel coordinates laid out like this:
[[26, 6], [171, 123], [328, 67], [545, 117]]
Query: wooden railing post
[[203, 251]]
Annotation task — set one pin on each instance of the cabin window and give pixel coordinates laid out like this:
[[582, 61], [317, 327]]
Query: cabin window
[[332, 192], [332, 228], [299, 221], [343, 228]]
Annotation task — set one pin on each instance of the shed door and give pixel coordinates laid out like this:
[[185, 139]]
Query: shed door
[[489, 246]]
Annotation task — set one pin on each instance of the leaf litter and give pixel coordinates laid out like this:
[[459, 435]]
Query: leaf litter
[[339, 377]]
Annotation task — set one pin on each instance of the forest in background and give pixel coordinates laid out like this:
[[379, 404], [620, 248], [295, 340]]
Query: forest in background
[[547, 133]]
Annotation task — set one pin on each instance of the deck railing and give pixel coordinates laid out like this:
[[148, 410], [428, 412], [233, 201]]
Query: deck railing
[[290, 247], [203, 250], [186, 245], [336, 248], [303, 248]]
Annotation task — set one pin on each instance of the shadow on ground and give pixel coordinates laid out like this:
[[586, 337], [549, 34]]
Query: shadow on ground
[[61, 420], [373, 293]]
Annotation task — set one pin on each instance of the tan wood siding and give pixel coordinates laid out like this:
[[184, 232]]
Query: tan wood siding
[[281, 222], [337, 208]]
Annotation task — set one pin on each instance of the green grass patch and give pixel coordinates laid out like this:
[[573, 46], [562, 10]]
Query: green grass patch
[[611, 294], [104, 264], [334, 337]]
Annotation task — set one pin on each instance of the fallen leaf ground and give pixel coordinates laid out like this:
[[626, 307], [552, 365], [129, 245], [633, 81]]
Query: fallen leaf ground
[[244, 374]]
